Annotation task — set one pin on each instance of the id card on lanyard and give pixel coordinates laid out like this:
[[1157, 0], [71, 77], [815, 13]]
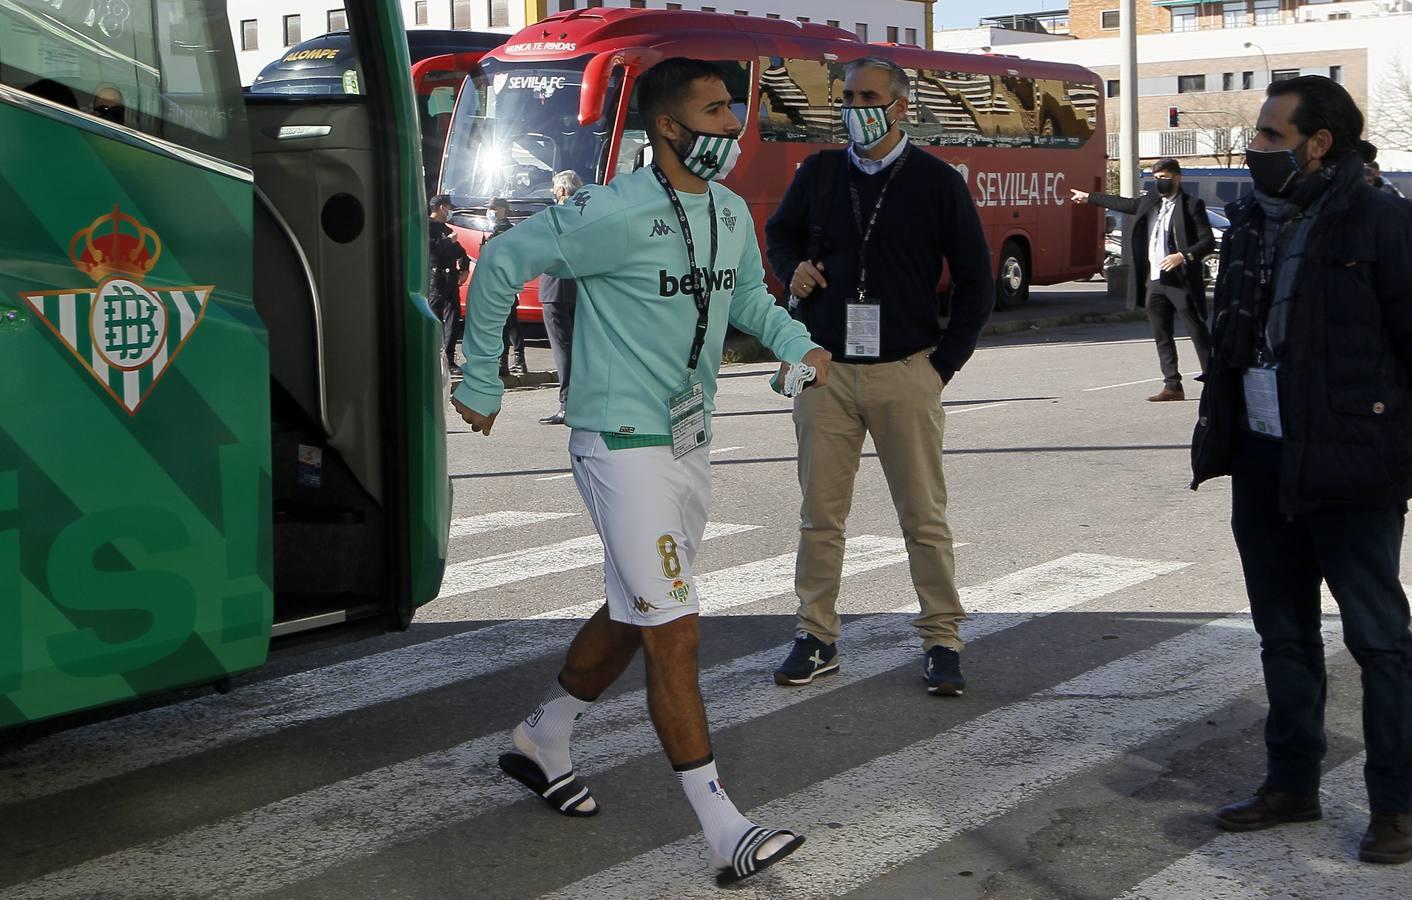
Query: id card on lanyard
[[686, 406], [863, 322]]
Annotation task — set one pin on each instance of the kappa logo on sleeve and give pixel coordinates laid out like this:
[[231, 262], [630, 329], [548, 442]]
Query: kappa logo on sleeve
[[581, 200]]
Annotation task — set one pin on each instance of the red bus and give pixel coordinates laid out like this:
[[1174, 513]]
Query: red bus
[[560, 95]]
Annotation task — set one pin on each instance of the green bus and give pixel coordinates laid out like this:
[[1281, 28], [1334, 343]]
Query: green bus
[[222, 416]]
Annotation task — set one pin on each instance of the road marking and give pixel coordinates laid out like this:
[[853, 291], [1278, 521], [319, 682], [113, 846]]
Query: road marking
[[1237, 866], [499, 521], [993, 764], [299, 837], [725, 450], [965, 409], [152, 737], [556, 477], [1109, 387], [506, 568]]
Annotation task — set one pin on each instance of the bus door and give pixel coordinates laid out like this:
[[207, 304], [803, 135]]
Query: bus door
[[135, 530]]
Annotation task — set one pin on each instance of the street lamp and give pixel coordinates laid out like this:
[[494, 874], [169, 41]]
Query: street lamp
[[1251, 45]]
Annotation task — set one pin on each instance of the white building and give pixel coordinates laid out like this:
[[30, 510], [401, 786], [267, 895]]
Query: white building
[[1212, 79], [264, 28]]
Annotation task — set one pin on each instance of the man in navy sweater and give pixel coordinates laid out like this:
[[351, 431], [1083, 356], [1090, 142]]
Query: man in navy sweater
[[860, 239]]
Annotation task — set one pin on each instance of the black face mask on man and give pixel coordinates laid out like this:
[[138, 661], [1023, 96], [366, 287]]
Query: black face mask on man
[[1275, 172], [1166, 187]]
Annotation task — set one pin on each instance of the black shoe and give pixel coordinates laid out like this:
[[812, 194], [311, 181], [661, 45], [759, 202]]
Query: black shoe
[[1267, 809], [808, 659], [1388, 839], [943, 672], [556, 419], [519, 366]]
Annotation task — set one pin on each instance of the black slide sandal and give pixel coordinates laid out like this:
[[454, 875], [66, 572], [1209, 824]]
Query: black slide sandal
[[565, 795], [744, 864]]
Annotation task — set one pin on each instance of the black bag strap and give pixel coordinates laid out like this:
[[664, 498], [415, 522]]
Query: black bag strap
[[827, 171]]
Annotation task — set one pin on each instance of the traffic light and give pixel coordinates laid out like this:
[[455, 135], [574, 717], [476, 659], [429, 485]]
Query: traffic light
[[1174, 116]]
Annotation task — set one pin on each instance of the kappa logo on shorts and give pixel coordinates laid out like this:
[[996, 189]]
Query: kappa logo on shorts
[[660, 228], [641, 605], [728, 219], [626, 429], [680, 592]]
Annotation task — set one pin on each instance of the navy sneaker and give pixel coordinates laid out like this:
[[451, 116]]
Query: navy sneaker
[[943, 672], [808, 659]]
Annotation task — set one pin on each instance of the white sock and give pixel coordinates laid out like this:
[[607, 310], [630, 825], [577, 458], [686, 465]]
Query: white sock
[[720, 820], [544, 735]]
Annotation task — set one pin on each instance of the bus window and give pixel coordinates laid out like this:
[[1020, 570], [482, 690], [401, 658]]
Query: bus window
[[1066, 113], [129, 65], [799, 101]]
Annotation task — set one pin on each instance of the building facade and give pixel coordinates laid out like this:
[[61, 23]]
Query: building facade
[[263, 29], [1200, 88]]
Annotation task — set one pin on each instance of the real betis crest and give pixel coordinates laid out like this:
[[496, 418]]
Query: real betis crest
[[123, 333]]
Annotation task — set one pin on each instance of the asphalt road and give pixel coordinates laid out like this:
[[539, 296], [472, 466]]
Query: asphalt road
[[1114, 695]]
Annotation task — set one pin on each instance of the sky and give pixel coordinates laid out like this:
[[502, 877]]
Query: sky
[[965, 13]]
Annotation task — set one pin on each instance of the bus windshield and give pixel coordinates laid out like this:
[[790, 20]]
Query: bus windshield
[[526, 130]]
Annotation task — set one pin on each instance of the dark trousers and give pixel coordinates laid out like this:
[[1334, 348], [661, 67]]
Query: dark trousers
[[1356, 551], [513, 338], [559, 325], [1164, 301], [449, 312]]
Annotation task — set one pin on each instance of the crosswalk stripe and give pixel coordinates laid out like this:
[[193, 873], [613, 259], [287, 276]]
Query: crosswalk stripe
[[297, 838], [93, 753], [993, 764], [520, 565], [501, 520], [1258, 865]]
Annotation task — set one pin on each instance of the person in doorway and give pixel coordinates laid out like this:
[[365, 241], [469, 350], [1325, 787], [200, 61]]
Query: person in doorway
[[557, 297], [1163, 249], [664, 259]]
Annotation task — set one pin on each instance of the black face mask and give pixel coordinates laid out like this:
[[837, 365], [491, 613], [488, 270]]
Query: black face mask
[[115, 114], [1166, 187], [1275, 172]]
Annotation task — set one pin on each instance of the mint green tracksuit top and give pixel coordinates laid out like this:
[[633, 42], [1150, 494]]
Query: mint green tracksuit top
[[634, 322]]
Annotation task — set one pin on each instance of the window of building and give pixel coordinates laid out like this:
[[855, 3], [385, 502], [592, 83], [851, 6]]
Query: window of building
[[1191, 84], [1267, 12], [1108, 20], [337, 20], [1336, 73], [1115, 87], [499, 13], [1234, 15], [861, 29], [912, 37], [833, 23], [291, 30], [249, 34], [804, 19], [461, 14], [1284, 74], [566, 5], [678, 6], [892, 34], [1184, 18], [638, 4], [1228, 81], [1247, 81], [594, 4], [772, 15], [1339, 16], [708, 9], [419, 11]]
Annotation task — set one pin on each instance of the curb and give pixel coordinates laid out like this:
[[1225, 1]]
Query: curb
[[996, 329]]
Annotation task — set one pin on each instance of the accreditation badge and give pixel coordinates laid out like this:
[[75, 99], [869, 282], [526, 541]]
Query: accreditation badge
[[863, 338], [687, 408], [1262, 402]]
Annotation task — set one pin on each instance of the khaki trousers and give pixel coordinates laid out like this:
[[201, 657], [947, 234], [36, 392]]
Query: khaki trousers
[[899, 404]]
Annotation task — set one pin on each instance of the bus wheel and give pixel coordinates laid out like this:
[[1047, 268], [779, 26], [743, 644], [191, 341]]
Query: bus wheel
[[1012, 283]]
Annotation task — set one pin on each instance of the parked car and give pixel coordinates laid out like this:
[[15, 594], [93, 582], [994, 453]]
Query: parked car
[[1113, 243]]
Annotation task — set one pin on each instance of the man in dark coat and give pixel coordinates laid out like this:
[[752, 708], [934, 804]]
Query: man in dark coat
[[1307, 406], [1163, 249], [450, 266]]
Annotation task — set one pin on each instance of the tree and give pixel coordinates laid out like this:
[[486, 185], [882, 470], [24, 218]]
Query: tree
[[1390, 121]]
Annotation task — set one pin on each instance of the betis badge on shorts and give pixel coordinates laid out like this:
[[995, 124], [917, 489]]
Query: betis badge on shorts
[[124, 334]]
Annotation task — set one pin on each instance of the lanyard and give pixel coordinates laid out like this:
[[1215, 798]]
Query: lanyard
[[872, 221], [699, 279]]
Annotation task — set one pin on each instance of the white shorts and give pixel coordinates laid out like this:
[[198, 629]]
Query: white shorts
[[650, 510]]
